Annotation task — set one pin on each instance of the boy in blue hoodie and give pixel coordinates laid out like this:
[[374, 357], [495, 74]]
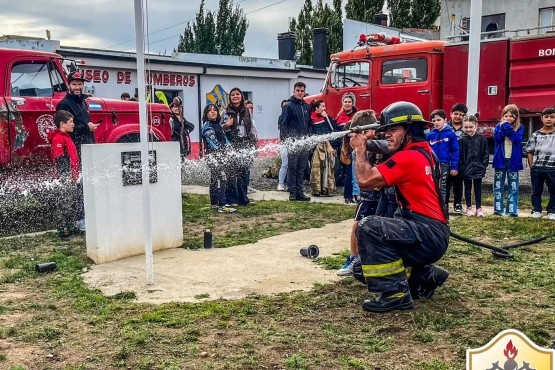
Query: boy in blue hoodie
[[444, 142]]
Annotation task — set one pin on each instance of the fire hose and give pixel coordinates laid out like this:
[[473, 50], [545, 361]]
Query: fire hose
[[501, 252]]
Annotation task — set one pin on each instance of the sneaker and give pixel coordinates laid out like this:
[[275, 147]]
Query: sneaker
[[251, 190], [480, 212], [214, 206], [438, 277], [226, 209], [281, 187], [80, 225], [302, 197], [458, 209], [551, 216], [469, 212], [386, 302], [347, 268], [536, 214]]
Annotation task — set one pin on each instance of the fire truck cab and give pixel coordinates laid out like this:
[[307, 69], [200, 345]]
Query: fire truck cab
[[433, 74], [31, 85]]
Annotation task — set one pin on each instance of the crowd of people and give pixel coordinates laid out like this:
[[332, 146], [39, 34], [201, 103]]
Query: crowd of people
[[400, 174]]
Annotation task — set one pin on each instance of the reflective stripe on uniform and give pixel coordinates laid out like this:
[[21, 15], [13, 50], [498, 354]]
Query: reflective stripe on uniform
[[405, 118], [384, 269]]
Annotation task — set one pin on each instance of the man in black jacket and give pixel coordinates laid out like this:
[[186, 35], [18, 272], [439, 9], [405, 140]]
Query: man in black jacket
[[294, 124], [74, 102]]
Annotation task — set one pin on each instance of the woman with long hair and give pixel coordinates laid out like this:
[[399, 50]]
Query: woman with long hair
[[237, 125], [343, 170]]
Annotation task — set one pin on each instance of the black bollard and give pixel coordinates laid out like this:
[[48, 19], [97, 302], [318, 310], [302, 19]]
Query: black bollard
[[310, 252], [45, 267], [207, 239]]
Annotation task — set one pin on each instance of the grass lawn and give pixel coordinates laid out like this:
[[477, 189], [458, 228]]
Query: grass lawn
[[54, 321]]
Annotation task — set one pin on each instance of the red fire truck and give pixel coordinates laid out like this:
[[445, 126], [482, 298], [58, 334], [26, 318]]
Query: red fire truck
[[433, 74], [31, 85]]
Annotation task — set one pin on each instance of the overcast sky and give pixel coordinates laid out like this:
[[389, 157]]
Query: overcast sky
[[109, 24]]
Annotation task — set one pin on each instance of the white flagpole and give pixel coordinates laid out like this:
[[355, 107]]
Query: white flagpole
[[474, 56], [139, 37]]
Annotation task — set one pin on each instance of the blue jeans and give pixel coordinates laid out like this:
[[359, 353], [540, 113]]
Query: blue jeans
[[499, 192], [283, 169]]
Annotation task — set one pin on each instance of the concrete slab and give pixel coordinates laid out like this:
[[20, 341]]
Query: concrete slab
[[270, 266]]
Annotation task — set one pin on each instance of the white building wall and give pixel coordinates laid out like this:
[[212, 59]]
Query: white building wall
[[266, 95], [518, 14]]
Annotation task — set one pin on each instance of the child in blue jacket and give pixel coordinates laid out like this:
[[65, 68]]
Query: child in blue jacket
[[507, 161], [445, 145]]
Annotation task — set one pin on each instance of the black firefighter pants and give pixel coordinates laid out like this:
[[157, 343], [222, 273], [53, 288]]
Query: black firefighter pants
[[388, 246]]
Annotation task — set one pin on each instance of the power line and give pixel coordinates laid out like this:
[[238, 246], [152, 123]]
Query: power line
[[264, 7]]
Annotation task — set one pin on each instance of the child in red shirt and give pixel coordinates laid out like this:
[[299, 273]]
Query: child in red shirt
[[66, 170]]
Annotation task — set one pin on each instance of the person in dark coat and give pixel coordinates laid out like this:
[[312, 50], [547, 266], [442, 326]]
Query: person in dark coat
[[74, 103], [237, 124], [295, 124], [474, 159]]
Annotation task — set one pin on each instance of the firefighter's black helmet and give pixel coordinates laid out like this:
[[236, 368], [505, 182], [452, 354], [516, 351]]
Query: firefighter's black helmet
[[401, 113]]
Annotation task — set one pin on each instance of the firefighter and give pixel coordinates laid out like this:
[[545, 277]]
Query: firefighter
[[390, 249]]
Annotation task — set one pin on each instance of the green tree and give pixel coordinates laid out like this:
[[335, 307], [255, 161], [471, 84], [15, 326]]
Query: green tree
[[363, 10], [424, 13], [399, 13], [335, 27], [302, 26], [210, 33], [322, 15]]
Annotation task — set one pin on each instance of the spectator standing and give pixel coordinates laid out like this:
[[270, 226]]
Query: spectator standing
[[237, 124], [74, 103], [295, 124], [458, 111], [66, 169], [181, 128], [83, 131], [322, 179], [215, 146], [343, 170], [507, 161], [250, 105], [369, 198], [125, 96], [282, 153], [445, 145], [541, 160], [473, 163]]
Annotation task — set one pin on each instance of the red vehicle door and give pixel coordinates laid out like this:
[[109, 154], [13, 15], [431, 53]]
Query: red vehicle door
[[347, 76], [32, 84], [403, 77]]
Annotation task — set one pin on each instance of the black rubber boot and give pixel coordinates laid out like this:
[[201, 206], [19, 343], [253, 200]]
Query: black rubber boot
[[437, 278], [389, 301]]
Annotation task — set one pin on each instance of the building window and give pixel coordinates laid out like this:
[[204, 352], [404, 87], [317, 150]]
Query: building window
[[547, 18]]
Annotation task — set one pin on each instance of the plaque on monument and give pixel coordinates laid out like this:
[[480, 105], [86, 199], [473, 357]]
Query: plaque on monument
[[132, 172]]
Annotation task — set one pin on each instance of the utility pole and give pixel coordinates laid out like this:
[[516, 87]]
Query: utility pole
[[474, 56]]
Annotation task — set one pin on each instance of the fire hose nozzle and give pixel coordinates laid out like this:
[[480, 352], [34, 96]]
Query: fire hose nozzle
[[359, 129]]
